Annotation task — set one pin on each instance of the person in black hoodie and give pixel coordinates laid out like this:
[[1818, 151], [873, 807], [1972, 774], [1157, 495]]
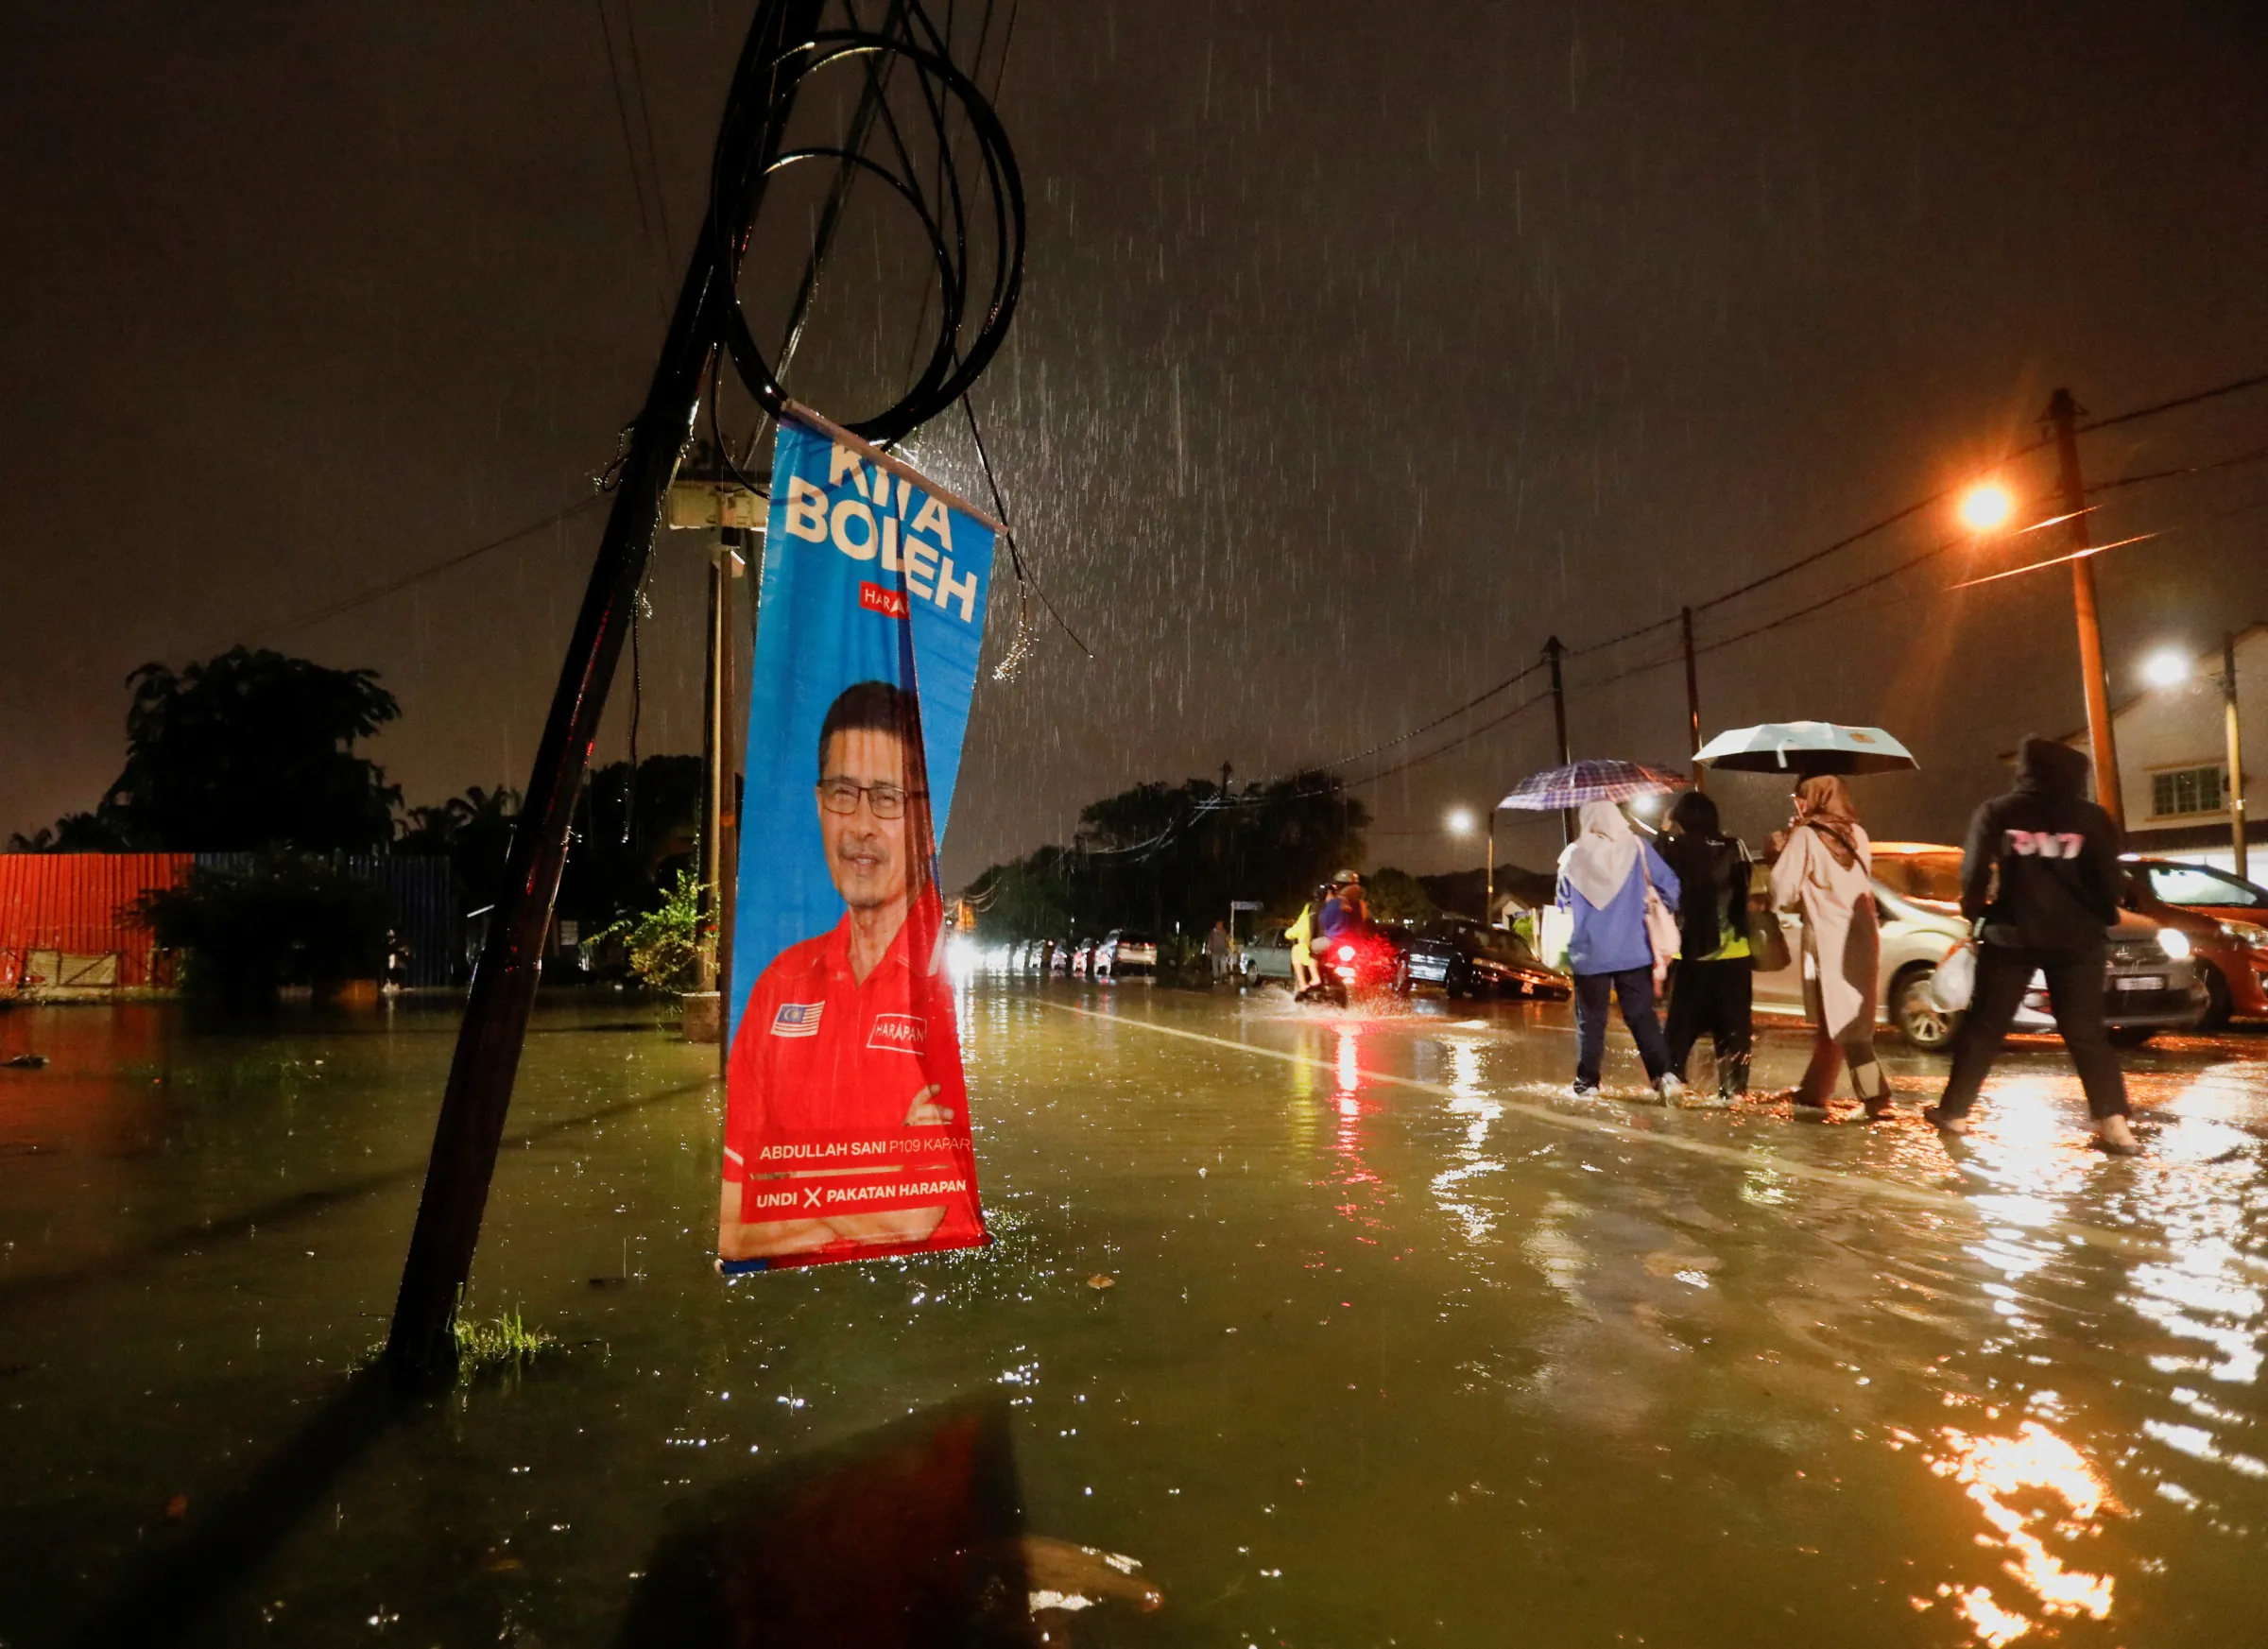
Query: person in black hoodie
[[1713, 990], [2041, 870]]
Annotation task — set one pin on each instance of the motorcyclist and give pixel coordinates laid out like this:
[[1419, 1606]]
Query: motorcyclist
[[1344, 911]]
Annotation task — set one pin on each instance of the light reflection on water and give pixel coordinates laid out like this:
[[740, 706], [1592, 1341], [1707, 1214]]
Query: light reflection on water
[[2027, 1486], [1375, 1355]]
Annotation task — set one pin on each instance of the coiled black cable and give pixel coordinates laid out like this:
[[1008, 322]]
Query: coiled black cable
[[972, 315]]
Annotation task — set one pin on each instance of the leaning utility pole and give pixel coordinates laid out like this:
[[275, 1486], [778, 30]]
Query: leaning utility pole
[[421, 1342], [1692, 695], [1553, 653], [2063, 413]]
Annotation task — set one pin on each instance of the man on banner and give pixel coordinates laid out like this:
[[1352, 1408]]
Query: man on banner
[[847, 1132], [847, 1038]]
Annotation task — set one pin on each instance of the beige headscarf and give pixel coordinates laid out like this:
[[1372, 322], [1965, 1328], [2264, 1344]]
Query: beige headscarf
[[1597, 863], [1823, 802]]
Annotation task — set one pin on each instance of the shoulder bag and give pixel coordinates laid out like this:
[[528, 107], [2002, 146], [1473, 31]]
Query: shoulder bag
[[1768, 949], [1662, 937]]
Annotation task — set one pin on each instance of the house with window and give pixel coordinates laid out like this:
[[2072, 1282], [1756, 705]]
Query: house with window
[[2173, 760]]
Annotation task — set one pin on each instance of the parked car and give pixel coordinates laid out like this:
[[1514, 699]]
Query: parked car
[[1426, 958], [2223, 915], [2153, 978], [1122, 954], [1493, 961], [1267, 955]]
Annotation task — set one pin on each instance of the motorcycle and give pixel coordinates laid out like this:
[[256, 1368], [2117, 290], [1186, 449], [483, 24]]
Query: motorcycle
[[1357, 962]]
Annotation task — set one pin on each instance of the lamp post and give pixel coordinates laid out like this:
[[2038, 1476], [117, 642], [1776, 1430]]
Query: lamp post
[[2236, 751], [1460, 823], [2170, 667]]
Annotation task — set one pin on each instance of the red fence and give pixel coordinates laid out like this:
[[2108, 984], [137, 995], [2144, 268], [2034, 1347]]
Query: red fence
[[66, 919]]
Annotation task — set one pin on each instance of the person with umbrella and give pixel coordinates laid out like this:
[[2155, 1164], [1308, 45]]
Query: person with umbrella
[[1604, 876], [1714, 990], [1826, 871]]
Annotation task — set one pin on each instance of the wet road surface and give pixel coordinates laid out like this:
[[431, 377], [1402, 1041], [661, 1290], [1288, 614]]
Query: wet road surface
[[1399, 1345]]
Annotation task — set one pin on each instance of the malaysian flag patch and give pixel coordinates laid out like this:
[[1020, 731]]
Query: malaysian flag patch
[[797, 1019]]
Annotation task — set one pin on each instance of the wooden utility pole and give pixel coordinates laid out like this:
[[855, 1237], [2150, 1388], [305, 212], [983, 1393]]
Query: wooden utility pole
[[2063, 413], [2236, 751], [1554, 652], [1692, 695], [712, 757], [420, 1342]]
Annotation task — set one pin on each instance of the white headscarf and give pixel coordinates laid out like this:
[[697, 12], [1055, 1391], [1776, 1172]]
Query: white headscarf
[[1597, 863]]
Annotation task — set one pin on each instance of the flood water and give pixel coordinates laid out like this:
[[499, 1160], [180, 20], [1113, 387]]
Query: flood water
[[1401, 1346]]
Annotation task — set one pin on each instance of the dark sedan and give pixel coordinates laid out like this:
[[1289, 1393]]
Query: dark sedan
[[1491, 961]]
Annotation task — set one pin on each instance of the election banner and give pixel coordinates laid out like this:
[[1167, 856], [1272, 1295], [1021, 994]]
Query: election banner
[[846, 1114]]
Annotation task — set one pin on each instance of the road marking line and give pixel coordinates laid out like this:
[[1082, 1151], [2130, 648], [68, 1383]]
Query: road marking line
[[1752, 1157]]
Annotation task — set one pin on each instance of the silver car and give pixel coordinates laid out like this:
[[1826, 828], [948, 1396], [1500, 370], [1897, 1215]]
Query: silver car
[[2153, 982]]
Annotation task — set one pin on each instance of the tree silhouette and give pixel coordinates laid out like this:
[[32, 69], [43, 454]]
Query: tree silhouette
[[252, 750]]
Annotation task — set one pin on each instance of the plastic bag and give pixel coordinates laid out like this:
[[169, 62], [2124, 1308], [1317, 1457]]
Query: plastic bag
[[1554, 932], [1955, 980]]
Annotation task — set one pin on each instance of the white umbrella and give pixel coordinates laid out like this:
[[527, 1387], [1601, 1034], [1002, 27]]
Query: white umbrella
[[1806, 747]]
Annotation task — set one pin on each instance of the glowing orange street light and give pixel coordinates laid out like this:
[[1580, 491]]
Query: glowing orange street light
[[1986, 506]]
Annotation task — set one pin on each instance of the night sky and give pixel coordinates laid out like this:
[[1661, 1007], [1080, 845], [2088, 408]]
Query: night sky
[[1363, 347]]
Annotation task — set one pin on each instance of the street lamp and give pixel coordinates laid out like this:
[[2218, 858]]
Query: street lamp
[[1459, 821], [1986, 506], [2167, 667], [2170, 667]]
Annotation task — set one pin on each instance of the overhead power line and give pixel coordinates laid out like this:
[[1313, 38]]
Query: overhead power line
[[1480, 697], [2175, 405], [345, 604], [1904, 512]]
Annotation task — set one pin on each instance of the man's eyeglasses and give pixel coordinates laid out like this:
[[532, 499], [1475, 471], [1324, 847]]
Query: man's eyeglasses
[[885, 800]]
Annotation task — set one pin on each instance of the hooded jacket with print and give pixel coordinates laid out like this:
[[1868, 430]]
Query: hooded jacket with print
[[2041, 864]]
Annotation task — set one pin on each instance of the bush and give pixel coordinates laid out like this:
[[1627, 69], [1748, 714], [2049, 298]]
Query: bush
[[287, 919], [670, 944]]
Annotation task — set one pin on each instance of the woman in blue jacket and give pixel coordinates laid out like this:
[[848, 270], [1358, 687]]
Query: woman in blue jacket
[[1603, 877]]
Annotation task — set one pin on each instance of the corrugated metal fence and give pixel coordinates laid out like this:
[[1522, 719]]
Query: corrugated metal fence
[[423, 892], [67, 919], [66, 922]]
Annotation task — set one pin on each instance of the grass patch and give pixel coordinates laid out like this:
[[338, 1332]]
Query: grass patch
[[502, 1345], [502, 1342]]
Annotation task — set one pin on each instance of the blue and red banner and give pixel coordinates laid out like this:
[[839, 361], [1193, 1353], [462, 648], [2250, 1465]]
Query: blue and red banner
[[846, 1114]]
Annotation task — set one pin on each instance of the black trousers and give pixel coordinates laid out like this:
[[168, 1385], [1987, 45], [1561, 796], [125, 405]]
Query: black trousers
[[2075, 992], [1719, 998]]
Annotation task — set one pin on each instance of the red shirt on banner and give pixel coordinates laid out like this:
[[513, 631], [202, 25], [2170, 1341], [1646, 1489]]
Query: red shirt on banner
[[849, 1094], [822, 1054]]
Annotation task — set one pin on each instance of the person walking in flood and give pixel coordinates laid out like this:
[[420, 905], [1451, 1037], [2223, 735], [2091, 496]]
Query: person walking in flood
[[1826, 871], [1603, 874], [1714, 990], [2040, 870]]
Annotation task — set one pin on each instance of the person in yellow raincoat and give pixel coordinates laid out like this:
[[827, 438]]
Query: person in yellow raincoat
[[1305, 974]]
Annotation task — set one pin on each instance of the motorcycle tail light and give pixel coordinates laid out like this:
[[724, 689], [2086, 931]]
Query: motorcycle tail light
[[1346, 952]]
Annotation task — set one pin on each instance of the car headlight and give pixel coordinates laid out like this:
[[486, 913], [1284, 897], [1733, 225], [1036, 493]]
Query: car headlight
[[2250, 934], [2175, 943]]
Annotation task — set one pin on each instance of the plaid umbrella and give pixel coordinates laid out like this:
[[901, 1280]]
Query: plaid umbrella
[[1573, 785]]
